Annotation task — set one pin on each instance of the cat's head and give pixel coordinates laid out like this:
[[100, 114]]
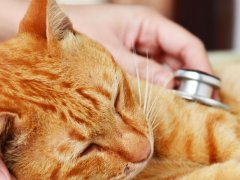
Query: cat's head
[[66, 108]]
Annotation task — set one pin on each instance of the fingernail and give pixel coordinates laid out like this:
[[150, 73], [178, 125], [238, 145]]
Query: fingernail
[[216, 95], [2, 176], [164, 78]]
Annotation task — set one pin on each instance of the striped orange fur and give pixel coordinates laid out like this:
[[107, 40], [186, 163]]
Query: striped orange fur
[[67, 111], [193, 141]]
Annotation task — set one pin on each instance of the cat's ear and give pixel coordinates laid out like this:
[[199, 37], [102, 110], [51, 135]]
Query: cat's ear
[[7, 120], [45, 19], [34, 21], [58, 24]]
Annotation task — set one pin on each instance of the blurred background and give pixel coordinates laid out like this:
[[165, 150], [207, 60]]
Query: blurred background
[[215, 22]]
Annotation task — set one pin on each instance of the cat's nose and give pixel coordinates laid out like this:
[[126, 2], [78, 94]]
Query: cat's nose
[[142, 151], [133, 147]]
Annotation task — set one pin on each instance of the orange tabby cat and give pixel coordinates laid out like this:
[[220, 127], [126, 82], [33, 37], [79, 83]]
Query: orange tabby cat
[[68, 111]]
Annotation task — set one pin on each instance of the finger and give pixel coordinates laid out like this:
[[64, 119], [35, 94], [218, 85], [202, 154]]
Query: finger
[[158, 33], [143, 67], [170, 61], [4, 174], [185, 47]]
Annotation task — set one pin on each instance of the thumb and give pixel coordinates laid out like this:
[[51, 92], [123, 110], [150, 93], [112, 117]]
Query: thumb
[[146, 68]]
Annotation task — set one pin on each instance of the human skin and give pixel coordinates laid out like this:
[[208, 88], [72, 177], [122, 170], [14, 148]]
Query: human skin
[[127, 29], [133, 34]]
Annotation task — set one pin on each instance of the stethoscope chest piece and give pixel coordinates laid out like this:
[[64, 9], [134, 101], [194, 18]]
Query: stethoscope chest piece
[[198, 86]]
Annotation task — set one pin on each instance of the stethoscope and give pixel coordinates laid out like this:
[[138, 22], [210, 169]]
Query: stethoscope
[[198, 86]]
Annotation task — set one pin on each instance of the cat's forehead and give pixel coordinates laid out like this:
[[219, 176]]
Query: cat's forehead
[[95, 62]]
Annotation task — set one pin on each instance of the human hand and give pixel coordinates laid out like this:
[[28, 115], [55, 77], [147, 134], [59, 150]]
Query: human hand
[[4, 174], [125, 28]]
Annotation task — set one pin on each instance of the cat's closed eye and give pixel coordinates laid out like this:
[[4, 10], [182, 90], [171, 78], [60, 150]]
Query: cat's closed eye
[[89, 149], [117, 102], [116, 96]]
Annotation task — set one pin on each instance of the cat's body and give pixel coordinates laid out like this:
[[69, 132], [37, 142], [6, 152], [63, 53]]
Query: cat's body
[[194, 141], [68, 111]]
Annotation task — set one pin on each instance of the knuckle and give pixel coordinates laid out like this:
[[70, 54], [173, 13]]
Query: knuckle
[[197, 43], [145, 10]]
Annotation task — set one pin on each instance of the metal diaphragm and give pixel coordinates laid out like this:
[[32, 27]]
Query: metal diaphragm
[[198, 86]]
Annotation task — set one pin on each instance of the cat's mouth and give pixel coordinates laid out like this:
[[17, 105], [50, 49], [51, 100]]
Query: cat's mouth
[[133, 169]]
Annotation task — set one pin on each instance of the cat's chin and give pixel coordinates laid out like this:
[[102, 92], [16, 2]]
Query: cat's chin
[[135, 168]]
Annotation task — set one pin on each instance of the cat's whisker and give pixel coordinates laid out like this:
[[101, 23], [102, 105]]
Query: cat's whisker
[[151, 115], [154, 127], [154, 117], [138, 77], [150, 97], [153, 110], [153, 120], [153, 123], [153, 105], [154, 113], [146, 86]]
